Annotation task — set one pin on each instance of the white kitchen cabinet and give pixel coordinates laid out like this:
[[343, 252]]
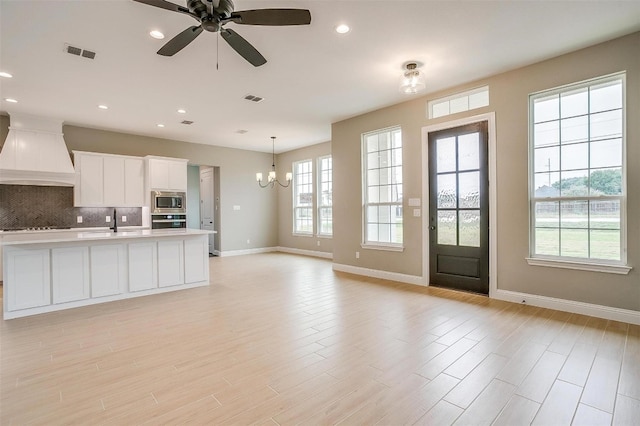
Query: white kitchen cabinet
[[143, 266], [70, 274], [107, 180], [196, 259], [167, 174], [133, 182], [170, 263], [89, 190], [108, 270], [30, 268]]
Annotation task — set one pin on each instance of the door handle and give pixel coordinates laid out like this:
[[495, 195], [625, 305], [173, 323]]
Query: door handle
[[433, 228]]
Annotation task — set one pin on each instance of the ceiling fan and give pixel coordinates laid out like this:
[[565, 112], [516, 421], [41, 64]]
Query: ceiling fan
[[213, 15]]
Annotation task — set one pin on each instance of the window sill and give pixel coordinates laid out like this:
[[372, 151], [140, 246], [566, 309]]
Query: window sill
[[327, 236], [382, 247], [582, 266], [300, 234]]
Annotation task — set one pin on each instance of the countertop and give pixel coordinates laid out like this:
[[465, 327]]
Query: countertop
[[42, 237]]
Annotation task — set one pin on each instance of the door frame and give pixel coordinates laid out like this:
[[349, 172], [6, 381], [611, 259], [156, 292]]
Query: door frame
[[490, 118]]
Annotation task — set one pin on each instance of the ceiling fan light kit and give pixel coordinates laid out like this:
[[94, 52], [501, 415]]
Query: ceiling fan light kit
[[412, 80], [213, 15]]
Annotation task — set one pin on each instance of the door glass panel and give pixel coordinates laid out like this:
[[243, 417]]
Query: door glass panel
[[446, 155], [447, 193], [447, 226], [469, 228], [469, 184], [468, 152]]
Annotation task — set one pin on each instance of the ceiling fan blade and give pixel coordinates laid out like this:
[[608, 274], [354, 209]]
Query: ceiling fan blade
[[180, 41], [243, 47], [162, 4], [272, 17]]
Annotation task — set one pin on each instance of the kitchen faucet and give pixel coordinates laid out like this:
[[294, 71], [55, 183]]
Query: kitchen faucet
[[115, 222]]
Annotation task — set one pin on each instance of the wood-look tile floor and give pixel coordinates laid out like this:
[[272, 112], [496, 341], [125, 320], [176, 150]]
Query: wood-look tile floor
[[282, 339]]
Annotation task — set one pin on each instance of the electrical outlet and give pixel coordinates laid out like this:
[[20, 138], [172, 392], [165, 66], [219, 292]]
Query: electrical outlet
[[416, 212], [357, 255], [124, 219], [79, 219], [107, 219], [318, 243]]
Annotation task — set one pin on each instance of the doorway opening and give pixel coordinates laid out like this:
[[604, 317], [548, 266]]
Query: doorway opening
[[203, 203]]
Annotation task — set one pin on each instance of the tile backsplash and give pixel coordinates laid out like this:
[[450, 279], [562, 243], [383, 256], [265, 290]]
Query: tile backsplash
[[25, 206]]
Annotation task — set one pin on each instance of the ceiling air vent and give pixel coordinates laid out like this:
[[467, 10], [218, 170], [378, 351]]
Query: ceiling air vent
[[241, 131], [253, 98], [77, 51], [186, 122]]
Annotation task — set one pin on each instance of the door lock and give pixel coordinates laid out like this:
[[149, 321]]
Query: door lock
[[433, 228]]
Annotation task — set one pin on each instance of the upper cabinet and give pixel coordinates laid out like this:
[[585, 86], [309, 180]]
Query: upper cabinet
[[106, 180], [167, 174]]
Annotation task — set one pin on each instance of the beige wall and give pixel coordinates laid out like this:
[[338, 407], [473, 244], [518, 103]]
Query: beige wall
[[509, 99], [257, 218], [285, 200]]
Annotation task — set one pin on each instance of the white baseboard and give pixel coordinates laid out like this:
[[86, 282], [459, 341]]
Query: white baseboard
[[606, 312], [313, 253], [247, 251], [375, 273]]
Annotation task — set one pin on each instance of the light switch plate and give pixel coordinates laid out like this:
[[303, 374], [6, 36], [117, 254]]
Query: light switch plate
[[414, 202], [416, 212], [236, 207]]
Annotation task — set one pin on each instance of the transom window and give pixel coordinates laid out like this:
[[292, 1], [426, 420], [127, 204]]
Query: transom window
[[382, 187], [325, 193], [303, 197], [577, 171]]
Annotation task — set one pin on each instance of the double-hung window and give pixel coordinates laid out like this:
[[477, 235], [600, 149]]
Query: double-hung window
[[325, 191], [577, 175], [382, 188], [303, 197]]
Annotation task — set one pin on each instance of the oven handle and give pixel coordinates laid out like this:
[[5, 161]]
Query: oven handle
[[168, 220]]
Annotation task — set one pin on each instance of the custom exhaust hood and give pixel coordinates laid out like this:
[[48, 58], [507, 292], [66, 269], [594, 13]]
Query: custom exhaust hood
[[35, 153]]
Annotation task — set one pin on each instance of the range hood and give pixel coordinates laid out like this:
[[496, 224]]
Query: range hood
[[35, 153]]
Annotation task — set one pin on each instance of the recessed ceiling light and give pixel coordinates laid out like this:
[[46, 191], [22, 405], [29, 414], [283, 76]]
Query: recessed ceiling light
[[182, 111], [5, 74], [103, 107], [13, 101], [156, 34], [160, 125], [342, 29]]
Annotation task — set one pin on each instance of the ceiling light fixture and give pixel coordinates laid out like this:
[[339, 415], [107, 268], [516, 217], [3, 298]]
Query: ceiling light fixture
[[103, 107], [182, 111], [272, 174], [160, 125], [412, 80], [156, 34], [342, 29], [5, 74], [13, 101]]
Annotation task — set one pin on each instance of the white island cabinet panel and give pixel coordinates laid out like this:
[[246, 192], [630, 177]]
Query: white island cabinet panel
[[31, 269], [143, 266], [170, 263], [70, 274], [108, 270], [196, 259]]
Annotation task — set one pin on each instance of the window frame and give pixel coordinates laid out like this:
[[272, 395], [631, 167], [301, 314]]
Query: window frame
[[320, 204], [295, 205], [366, 242], [572, 262]]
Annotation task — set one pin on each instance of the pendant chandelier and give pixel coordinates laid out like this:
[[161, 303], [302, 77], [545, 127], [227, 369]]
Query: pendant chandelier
[[271, 179]]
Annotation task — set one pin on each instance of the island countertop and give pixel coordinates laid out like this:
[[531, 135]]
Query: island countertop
[[15, 239]]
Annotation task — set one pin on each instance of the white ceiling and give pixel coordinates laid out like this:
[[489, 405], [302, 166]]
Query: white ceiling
[[313, 76]]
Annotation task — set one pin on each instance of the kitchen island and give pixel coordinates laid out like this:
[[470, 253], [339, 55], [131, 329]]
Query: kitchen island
[[52, 271]]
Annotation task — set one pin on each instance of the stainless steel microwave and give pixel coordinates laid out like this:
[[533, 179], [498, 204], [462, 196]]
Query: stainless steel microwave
[[168, 202]]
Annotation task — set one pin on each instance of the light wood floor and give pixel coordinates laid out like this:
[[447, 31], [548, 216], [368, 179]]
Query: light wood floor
[[282, 339]]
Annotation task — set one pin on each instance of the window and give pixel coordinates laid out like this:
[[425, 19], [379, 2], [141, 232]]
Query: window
[[577, 172], [303, 197], [325, 191], [460, 102], [382, 187]]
